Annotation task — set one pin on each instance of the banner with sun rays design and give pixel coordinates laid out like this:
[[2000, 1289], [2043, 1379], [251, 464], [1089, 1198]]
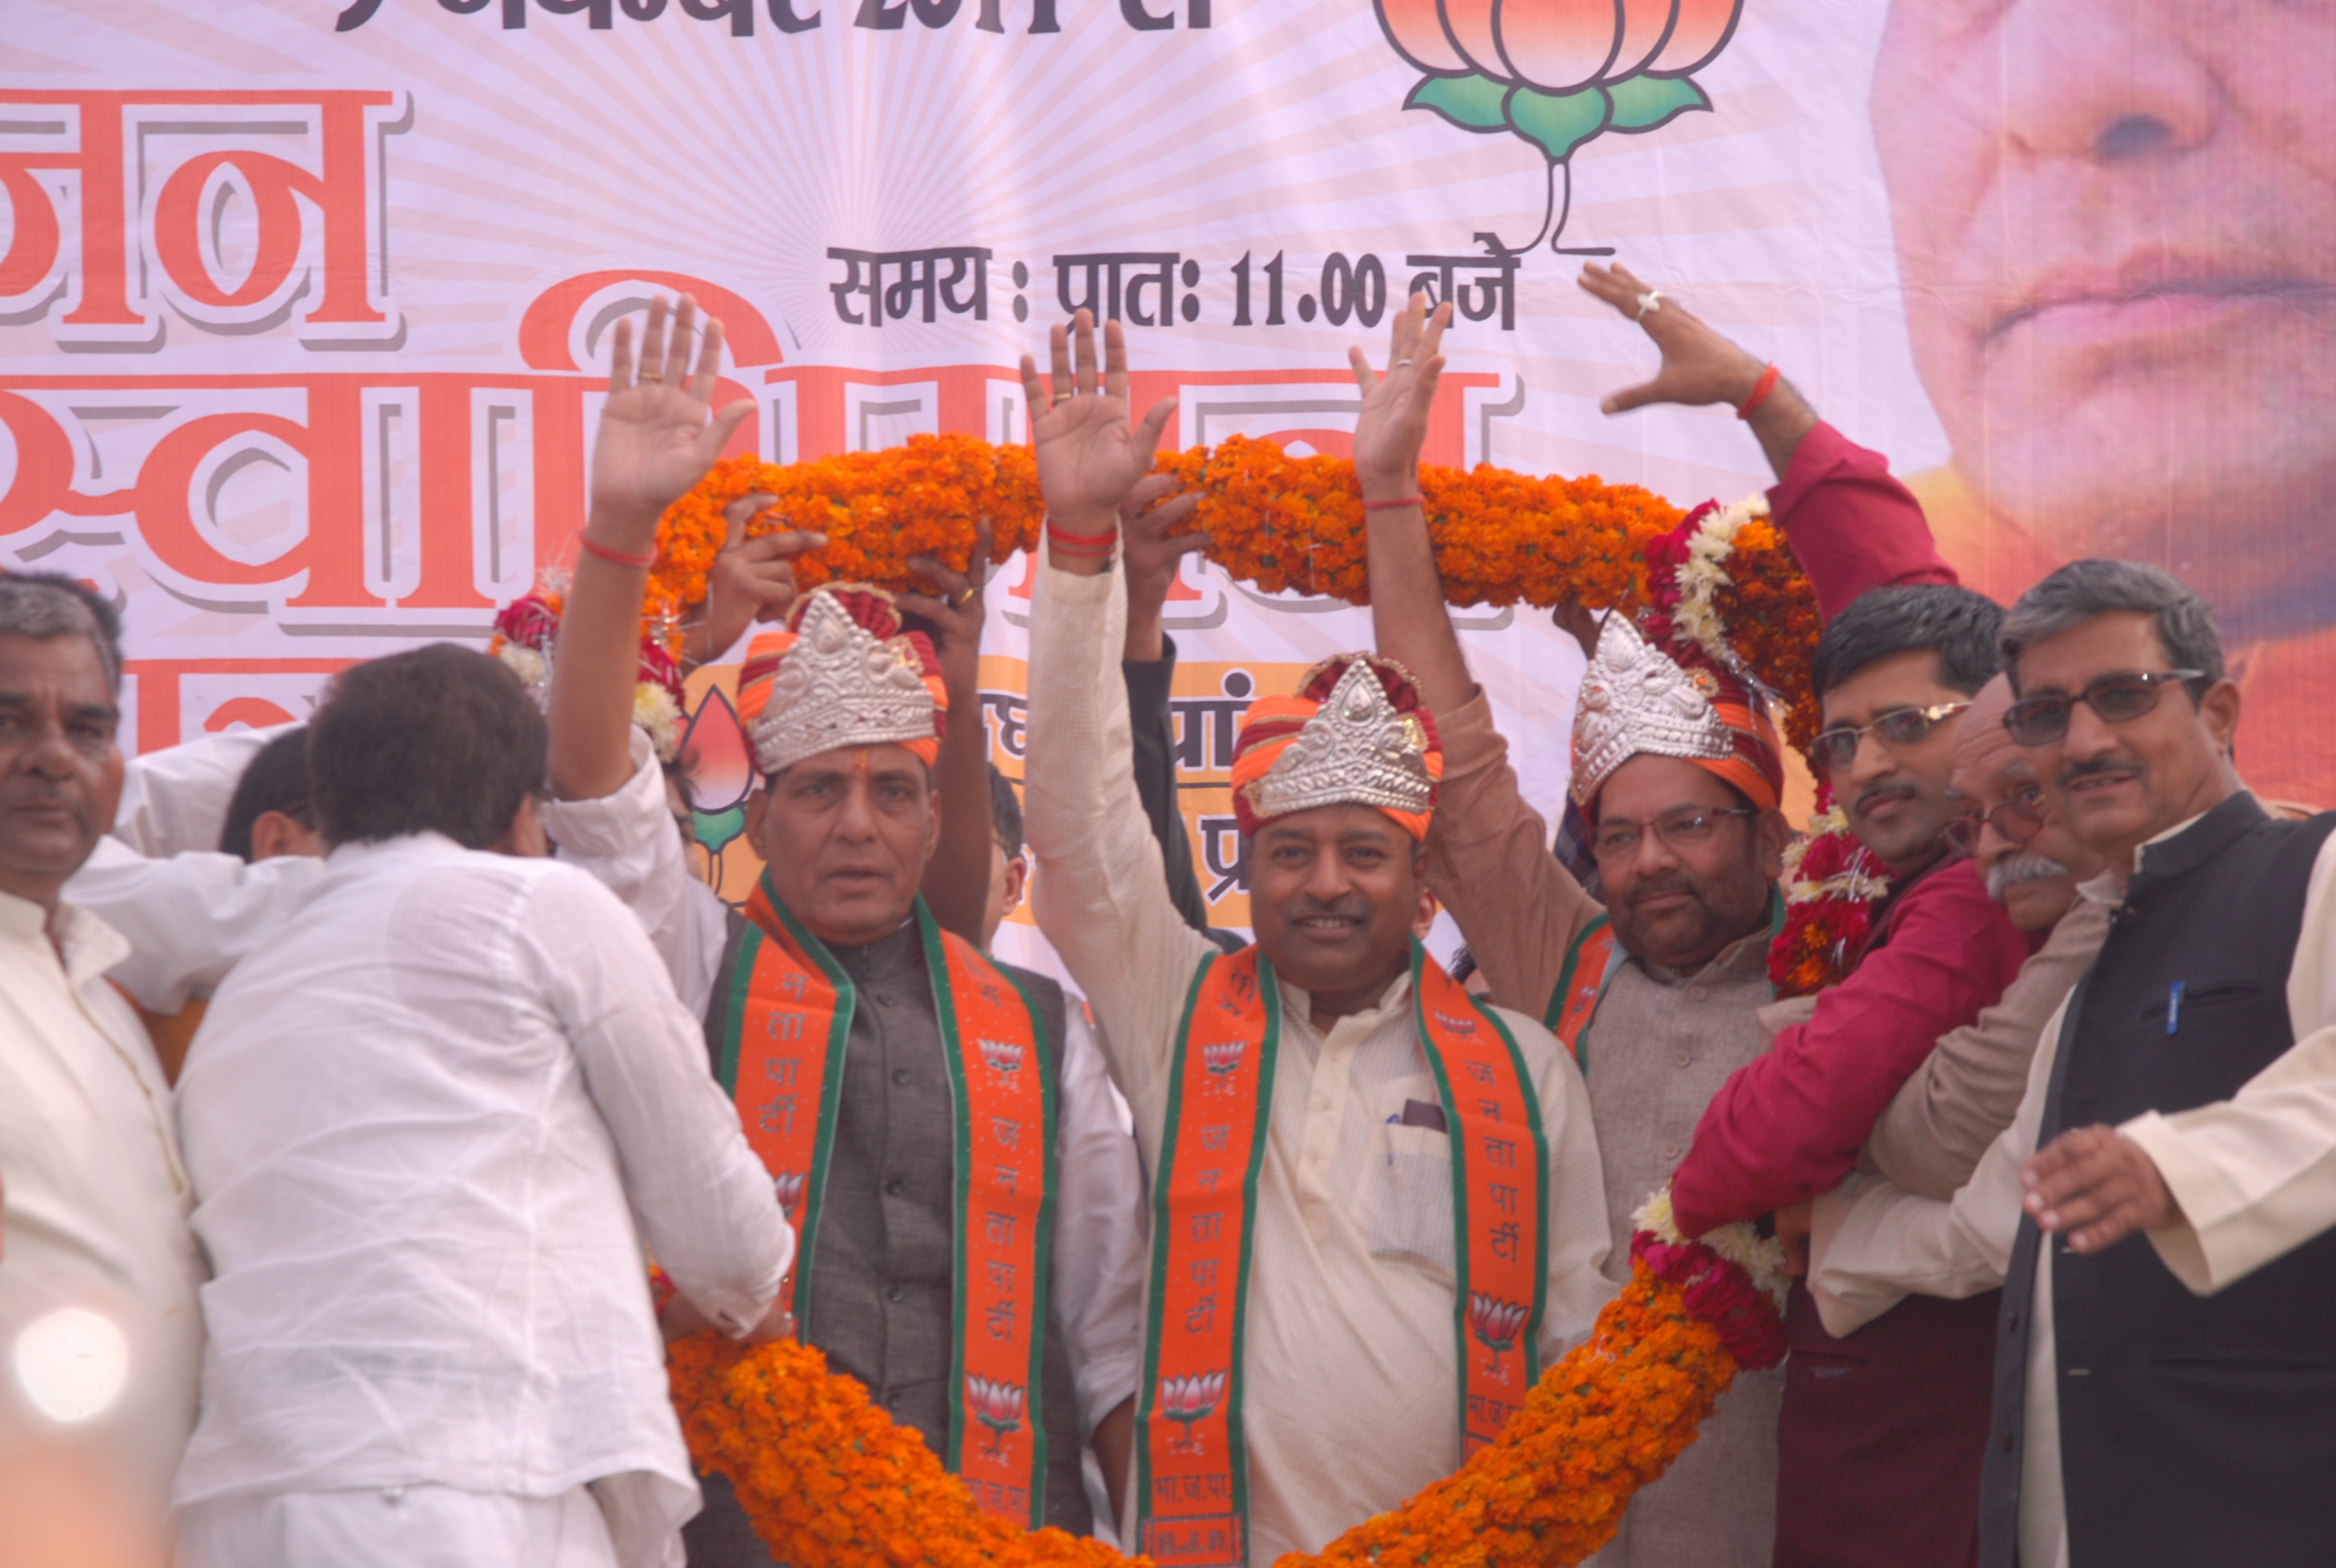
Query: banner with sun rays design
[[303, 303]]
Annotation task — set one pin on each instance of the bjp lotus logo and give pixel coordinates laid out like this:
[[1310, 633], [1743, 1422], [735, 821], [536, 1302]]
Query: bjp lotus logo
[[997, 1406], [1004, 1057], [1185, 1400], [789, 1186], [1221, 1061], [1495, 1322], [1559, 72]]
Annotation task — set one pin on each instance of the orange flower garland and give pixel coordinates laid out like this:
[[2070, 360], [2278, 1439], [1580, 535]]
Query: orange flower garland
[[1273, 520], [877, 508], [830, 1482]]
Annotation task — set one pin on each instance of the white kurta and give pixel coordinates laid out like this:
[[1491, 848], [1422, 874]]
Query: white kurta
[[95, 1215], [626, 842], [422, 1123], [2255, 1177], [1351, 1383]]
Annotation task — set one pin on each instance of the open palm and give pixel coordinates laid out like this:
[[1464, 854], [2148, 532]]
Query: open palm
[[655, 439], [1089, 455]]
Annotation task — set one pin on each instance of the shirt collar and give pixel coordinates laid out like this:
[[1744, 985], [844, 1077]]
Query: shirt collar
[[1744, 956], [434, 845], [1298, 1004], [88, 946]]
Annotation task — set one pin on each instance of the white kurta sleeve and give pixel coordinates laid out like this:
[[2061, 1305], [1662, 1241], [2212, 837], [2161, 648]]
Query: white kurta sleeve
[[627, 843], [705, 1202], [1100, 1230], [1100, 894], [1887, 1243], [176, 799], [2255, 1174], [188, 918]]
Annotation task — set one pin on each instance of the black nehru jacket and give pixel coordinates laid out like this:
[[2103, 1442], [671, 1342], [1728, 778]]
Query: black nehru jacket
[[2193, 1430]]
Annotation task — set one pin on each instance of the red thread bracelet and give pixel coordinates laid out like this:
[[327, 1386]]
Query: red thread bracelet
[[616, 557], [1760, 391], [1398, 500], [1065, 536]]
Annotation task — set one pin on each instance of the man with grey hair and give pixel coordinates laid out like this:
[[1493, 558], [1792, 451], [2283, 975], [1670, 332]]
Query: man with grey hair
[[2173, 1401], [98, 1293]]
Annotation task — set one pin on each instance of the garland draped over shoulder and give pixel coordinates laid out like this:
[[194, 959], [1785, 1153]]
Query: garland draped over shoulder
[[829, 1481]]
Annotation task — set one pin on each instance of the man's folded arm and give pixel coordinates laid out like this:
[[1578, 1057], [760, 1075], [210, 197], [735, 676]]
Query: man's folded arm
[[1788, 1125]]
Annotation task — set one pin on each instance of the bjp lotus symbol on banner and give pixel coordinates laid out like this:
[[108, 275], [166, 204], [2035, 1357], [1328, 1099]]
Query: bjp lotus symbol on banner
[[1558, 73], [1495, 1322]]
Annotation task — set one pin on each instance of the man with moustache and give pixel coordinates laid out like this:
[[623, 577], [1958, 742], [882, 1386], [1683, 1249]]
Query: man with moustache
[[1943, 1119], [1295, 1101], [99, 1254], [1879, 1438], [2172, 1402], [2113, 221]]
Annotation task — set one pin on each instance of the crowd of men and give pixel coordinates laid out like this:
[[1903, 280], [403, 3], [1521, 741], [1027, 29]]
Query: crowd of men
[[353, 1075]]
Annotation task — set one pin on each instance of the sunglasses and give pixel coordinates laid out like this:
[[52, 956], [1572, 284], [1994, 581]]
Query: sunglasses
[[2043, 719], [2017, 818], [1836, 749]]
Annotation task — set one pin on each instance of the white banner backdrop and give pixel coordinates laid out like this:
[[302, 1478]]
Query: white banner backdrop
[[303, 303]]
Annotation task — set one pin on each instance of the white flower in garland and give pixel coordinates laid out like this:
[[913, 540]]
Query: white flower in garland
[[1761, 1257], [1704, 573]]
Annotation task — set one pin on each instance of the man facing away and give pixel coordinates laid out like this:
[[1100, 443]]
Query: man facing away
[[99, 1259], [2177, 1401], [1688, 843], [1324, 1340], [432, 1126]]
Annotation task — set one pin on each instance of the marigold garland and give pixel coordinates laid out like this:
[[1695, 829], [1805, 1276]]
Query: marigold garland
[[1279, 521], [830, 1482]]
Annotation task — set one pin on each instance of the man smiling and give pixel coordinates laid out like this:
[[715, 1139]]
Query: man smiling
[[1880, 1436], [1325, 1338], [2148, 1407]]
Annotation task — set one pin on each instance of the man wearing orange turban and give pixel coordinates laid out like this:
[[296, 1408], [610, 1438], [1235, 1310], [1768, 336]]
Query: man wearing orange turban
[[906, 1094], [1310, 1107]]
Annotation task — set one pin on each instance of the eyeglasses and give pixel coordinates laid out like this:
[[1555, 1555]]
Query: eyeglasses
[[2017, 818], [1836, 749], [1677, 829], [2043, 719]]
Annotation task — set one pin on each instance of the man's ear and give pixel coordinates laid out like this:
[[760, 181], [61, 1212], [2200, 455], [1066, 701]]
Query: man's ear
[[758, 808], [1017, 881], [2218, 710], [274, 835]]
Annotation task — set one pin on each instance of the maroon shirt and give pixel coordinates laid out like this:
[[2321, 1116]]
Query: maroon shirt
[[1881, 1437]]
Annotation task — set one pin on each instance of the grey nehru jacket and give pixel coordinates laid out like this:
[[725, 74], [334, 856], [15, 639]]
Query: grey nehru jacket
[[880, 1282], [1659, 1048]]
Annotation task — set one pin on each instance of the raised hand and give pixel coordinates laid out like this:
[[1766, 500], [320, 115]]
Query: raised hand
[[1151, 553], [1089, 455], [957, 612], [751, 580], [655, 440], [1699, 365], [1393, 425]]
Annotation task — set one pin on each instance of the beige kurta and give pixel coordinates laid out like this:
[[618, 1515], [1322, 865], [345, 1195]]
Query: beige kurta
[[2255, 1175], [97, 1195], [1350, 1375], [1659, 1048]]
